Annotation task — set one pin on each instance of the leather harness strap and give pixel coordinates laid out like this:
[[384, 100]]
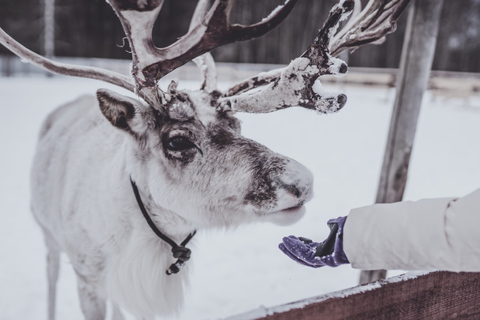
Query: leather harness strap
[[180, 252]]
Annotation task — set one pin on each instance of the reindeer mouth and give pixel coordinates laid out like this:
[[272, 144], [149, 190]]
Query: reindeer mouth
[[287, 216], [294, 209]]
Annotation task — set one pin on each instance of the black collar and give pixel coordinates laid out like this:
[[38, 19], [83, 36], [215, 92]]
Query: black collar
[[179, 251]]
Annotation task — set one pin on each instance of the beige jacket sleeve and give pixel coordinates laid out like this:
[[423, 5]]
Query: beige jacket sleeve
[[431, 234]]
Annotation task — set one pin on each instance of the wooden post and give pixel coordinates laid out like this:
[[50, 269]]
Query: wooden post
[[415, 65]]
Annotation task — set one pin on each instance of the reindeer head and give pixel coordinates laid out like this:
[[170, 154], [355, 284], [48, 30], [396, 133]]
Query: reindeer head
[[191, 149], [191, 138]]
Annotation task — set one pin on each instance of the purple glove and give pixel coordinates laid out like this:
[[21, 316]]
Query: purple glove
[[313, 254]]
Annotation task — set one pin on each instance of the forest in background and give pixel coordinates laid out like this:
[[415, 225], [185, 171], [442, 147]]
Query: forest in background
[[89, 28]]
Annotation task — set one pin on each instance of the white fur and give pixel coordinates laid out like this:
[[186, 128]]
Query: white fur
[[82, 198]]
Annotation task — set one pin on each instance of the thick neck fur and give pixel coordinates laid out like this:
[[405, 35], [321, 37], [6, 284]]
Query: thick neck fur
[[136, 278], [170, 223]]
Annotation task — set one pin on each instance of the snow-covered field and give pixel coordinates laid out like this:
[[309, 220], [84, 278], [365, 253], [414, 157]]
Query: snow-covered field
[[239, 270]]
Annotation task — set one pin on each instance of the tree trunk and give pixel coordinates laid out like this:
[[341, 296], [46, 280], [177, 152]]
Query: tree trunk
[[417, 57]]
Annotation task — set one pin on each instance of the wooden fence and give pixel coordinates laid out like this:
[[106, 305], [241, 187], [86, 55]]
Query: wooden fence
[[432, 296]]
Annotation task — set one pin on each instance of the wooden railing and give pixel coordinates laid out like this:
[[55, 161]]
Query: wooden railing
[[432, 296]]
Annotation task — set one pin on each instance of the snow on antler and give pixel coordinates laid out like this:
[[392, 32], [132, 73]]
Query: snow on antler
[[298, 83]]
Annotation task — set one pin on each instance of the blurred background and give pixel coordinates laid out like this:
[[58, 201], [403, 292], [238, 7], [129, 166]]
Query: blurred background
[[89, 28], [240, 270]]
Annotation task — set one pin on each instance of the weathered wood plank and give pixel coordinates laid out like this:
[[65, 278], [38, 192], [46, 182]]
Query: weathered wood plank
[[434, 296]]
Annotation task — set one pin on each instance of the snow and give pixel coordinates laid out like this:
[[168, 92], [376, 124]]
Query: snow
[[275, 11], [335, 65], [236, 271], [270, 74], [327, 99]]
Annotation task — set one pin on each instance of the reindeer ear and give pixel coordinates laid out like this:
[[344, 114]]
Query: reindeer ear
[[118, 109]]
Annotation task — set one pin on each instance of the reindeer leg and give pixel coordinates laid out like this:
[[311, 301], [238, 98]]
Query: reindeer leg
[[53, 268], [93, 306]]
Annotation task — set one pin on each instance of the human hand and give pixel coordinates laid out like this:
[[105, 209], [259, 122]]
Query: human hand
[[313, 254]]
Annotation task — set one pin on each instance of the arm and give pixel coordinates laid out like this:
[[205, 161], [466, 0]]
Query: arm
[[423, 235], [313, 254], [440, 234]]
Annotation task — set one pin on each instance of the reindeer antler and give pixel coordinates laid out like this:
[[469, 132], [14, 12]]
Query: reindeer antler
[[205, 62], [64, 68], [297, 84], [151, 63], [378, 19]]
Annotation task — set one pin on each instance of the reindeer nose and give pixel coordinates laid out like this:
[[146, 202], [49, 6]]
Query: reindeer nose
[[293, 189], [301, 191], [297, 181]]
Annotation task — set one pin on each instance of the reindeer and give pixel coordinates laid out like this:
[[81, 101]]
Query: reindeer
[[121, 184]]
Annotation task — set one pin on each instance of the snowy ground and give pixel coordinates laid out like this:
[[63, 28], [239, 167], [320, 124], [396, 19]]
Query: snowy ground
[[240, 270]]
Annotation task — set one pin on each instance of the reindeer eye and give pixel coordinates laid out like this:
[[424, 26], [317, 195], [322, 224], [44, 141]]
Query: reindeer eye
[[179, 143]]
